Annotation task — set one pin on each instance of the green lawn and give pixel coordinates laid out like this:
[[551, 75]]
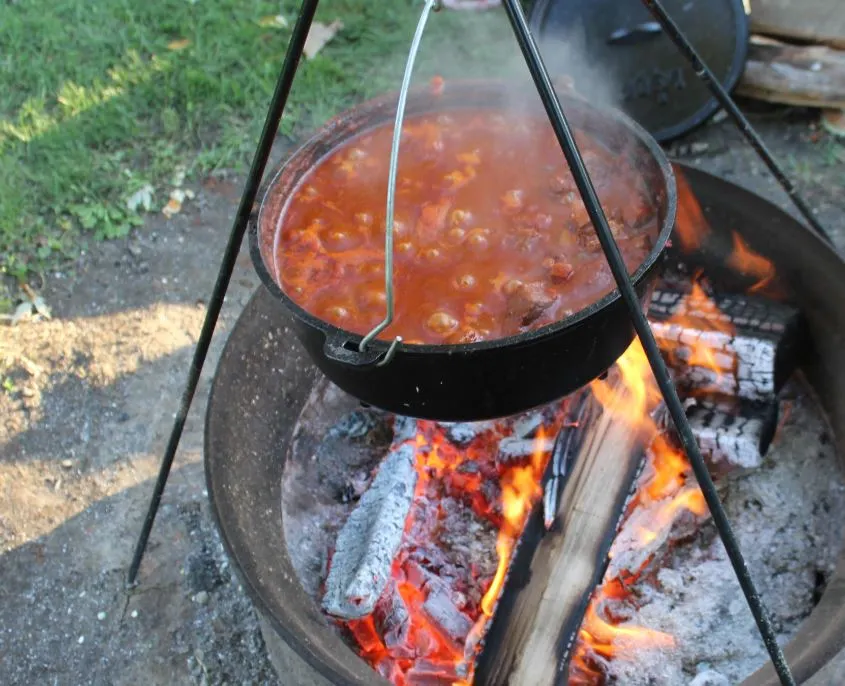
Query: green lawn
[[99, 99]]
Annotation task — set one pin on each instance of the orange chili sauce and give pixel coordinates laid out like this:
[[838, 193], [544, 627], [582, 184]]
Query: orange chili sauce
[[491, 236]]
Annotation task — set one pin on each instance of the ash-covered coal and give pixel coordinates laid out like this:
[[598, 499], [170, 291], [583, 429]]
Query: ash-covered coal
[[396, 527]]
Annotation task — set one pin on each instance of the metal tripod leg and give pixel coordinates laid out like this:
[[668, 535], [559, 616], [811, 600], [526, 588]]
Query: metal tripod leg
[[253, 182]]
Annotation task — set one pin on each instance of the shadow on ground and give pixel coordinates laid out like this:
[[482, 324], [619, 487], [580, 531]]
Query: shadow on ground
[[68, 618]]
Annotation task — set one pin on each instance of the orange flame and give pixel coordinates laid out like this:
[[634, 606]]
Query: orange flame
[[691, 228], [690, 225], [744, 260], [698, 312], [520, 490], [667, 512]]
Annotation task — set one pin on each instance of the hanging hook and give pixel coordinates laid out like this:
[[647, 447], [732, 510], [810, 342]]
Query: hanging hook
[[391, 190]]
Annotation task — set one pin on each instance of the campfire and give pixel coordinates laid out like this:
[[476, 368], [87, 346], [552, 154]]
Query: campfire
[[417, 573]]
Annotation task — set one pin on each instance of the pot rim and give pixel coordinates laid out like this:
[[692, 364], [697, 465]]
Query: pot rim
[[494, 87]]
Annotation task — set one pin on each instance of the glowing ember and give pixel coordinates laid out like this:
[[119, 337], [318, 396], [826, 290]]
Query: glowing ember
[[427, 626], [690, 225]]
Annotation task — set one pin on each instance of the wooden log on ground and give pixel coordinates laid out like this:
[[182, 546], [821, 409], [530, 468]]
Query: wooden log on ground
[[740, 346], [551, 577], [800, 75], [814, 21]]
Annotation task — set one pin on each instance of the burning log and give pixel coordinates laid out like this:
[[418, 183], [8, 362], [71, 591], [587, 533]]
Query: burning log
[[367, 543], [739, 346], [651, 529], [537, 618]]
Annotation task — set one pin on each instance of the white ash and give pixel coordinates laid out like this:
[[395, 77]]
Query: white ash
[[370, 537], [786, 516], [464, 433]]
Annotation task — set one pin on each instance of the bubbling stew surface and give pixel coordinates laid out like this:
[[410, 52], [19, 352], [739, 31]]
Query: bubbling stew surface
[[490, 237]]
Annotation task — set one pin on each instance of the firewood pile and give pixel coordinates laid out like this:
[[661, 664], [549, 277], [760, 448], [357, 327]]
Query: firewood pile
[[797, 57]]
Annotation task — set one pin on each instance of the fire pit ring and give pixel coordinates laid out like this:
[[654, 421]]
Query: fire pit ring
[[266, 376]]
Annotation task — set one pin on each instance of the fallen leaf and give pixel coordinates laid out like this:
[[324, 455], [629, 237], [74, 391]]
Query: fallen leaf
[[143, 197], [180, 44], [174, 204], [319, 35], [276, 21]]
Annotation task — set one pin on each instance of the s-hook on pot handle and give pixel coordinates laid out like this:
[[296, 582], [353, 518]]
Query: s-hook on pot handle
[[391, 203]]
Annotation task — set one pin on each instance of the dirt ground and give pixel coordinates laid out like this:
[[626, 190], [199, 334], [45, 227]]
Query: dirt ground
[[84, 424]]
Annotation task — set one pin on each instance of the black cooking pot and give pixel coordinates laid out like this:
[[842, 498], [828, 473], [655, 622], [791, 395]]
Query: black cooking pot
[[478, 380]]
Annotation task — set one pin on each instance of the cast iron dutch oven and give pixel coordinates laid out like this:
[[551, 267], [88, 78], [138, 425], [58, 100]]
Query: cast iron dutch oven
[[479, 380]]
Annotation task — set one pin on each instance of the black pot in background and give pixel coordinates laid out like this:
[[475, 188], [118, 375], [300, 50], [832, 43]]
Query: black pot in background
[[479, 380], [616, 53]]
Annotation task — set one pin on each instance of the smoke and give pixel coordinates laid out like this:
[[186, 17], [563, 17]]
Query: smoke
[[487, 48], [566, 55]]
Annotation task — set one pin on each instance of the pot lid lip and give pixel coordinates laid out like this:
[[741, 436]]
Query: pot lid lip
[[537, 18]]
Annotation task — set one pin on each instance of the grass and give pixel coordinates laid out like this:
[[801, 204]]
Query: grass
[[101, 99]]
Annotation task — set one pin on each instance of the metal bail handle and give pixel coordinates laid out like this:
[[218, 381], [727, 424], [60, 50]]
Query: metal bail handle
[[430, 5]]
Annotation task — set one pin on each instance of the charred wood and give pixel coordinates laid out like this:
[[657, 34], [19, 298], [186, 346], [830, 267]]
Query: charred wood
[[431, 673], [443, 613], [529, 423], [392, 619], [752, 345], [733, 435], [551, 577], [513, 450], [565, 448], [366, 545], [716, 362], [651, 530], [462, 434]]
